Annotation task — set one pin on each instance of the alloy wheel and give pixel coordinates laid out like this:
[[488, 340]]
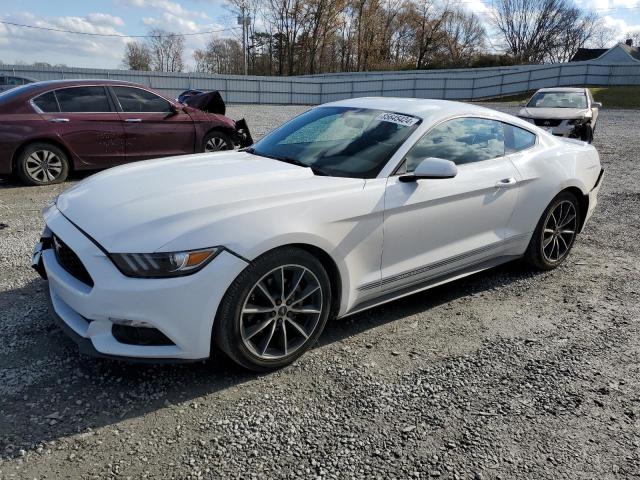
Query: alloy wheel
[[281, 312], [43, 166], [215, 144], [559, 231]]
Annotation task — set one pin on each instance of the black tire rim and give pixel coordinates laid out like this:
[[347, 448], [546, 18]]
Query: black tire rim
[[281, 312], [559, 231]]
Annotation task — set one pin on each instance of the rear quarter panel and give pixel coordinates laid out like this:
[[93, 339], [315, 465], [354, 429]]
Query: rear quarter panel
[[557, 164]]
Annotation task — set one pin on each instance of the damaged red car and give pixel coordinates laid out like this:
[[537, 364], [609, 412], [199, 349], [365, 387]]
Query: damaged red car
[[49, 129]]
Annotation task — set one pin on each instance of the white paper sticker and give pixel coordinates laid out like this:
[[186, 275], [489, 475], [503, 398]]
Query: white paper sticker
[[405, 120]]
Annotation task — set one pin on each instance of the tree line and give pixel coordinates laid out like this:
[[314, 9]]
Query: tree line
[[298, 37]]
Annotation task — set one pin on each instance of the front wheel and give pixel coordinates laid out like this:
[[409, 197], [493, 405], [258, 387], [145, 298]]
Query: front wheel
[[275, 310], [216, 141], [555, 233]]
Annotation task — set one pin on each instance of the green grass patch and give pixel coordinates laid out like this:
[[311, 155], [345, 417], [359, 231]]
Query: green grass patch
[[610, 97]]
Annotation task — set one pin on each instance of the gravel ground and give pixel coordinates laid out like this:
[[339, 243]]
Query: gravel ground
[[506, 374]]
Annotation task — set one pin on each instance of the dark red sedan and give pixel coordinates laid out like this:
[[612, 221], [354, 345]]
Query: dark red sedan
[[48, 129]]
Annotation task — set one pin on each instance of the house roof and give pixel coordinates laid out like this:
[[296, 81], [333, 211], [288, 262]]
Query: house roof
[[588, 54], [633, 51]]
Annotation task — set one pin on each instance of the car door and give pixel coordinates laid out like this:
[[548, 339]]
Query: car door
[[153, 126], [435, 226], [84, 118]]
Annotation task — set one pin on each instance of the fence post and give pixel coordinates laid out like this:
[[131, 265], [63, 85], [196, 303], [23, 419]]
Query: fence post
[[559, 76], [321, 92], [382, 87], [529, 80], [473, 87], [415, 81], [444, 89]]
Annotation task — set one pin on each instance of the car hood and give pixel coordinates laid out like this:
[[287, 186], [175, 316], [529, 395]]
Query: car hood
[[141, 207], [557, 113]]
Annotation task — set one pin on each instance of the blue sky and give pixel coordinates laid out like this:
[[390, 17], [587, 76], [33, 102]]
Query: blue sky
[[136, 17]]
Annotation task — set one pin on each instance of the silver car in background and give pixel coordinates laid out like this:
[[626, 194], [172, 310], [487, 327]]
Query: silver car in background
[[563, 111]]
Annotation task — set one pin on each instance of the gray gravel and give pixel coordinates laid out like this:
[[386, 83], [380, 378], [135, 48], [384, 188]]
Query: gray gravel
[[506, 374]]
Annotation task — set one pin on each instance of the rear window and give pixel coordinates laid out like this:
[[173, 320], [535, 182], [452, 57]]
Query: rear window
[[83, 99], [47, 102], [517, 139]]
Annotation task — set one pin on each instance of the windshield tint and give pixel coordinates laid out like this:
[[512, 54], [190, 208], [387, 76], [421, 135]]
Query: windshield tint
[[558, 100], [339, 141]]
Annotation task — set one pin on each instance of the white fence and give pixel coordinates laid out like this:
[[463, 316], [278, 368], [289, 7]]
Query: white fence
[[458, 84]]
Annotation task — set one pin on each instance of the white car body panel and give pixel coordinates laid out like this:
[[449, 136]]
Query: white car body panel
[[383, 235]]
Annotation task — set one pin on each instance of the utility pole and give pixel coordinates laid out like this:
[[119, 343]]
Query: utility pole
[[245, 21]]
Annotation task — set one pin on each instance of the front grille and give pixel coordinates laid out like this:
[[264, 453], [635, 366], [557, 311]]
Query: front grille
[[543, 122], [70, 261]]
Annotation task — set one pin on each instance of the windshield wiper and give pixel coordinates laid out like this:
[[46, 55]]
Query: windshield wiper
[[292, 161]]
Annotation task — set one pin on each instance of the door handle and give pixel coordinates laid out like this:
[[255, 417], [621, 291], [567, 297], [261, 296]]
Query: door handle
[[506, 182], [133, 120], [58, 120]]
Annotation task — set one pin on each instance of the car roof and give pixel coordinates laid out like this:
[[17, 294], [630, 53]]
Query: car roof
[[563, 89], [427, 109]]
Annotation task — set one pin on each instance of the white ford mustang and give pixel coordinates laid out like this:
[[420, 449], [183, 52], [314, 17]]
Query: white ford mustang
[[347, 206]]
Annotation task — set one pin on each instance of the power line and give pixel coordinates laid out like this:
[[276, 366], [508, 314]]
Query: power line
[[118, 35]]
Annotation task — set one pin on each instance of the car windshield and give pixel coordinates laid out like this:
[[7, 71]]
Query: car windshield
[[339, 141], [558, 100]]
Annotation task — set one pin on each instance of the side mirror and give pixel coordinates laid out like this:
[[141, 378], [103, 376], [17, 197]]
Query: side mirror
[[596, 105], [174, 110], [431, 168]]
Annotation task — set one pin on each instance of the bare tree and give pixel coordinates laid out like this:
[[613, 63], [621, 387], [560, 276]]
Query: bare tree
[[137, 56], [166, 50], [634, 36], [603, 36], [464, 37], [570, 40], [533, 29], [222, 55]]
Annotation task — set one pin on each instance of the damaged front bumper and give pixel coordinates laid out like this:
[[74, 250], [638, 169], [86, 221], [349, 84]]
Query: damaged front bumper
[[242, 137]]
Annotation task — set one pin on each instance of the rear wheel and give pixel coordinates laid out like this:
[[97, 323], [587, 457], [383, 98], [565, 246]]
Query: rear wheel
[[555, 233], [216, 141], [275, 310], [42, 164]]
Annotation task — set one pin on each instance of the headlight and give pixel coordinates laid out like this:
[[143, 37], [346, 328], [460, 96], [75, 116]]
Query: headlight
[[578, 121], [162, 265]]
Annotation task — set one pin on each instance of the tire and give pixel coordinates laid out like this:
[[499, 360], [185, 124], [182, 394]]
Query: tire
[[249, 325], [216, 141], [551, 242], [587, 135], [42, 164]]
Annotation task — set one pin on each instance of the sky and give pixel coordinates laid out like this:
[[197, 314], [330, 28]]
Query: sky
[[136, 17]]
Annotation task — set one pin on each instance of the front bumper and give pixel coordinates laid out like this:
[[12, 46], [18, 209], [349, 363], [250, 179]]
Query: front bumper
[[182, 309], [563, 129]]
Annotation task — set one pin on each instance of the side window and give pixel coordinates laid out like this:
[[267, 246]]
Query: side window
[[462, 140], [517, 139], [47, 103], [83, 99], [136, 100]]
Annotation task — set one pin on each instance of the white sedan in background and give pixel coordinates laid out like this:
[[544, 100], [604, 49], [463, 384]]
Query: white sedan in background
[[347, 206], [563, 111]]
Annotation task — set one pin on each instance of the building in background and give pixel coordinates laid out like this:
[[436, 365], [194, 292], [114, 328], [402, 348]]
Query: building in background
[[620, 53]]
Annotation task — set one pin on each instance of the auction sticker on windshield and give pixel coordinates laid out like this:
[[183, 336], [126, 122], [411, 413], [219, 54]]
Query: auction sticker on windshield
[[405, 120]]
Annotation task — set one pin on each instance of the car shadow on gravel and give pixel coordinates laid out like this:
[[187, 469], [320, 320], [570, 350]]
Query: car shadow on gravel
[[51, 392]]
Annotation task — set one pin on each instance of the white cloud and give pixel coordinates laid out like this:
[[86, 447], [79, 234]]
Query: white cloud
[[167, 6], [30, 45], [620, 25]]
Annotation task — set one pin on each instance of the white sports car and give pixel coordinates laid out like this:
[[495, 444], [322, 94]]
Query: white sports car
[[349, 205]]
